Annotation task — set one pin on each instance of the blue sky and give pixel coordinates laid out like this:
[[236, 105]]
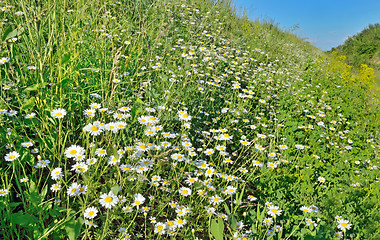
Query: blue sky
[[324, 23]]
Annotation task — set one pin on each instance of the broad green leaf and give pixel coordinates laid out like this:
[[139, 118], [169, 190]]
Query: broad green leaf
[[262, 215], [23, 219], [15, 204], [114, 151], [217, 229], [44, 191], [115, 189], [240, 197], [66, 58], [28, 104], [72, 228], [32, 186], [226, 208], [31, 88], [232, 221], [7, 32], [42, 85], [138, 100], [134, 112]]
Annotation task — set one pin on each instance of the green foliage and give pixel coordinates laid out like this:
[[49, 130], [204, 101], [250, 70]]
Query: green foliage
[[179, 119], [217, 229], [363, 48]]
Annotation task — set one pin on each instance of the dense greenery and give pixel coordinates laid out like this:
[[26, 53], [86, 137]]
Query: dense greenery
[[363, 48], [175, 119]]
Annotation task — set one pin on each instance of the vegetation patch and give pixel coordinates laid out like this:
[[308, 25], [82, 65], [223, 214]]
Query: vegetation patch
[[175, 119]]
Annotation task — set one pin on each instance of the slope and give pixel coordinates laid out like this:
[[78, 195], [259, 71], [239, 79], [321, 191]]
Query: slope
[[178, 119]]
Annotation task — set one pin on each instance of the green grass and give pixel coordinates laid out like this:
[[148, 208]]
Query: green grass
[[190, 121], [363, 47]]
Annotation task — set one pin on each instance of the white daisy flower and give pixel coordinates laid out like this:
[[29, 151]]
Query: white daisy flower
[[90, 212], [73, 190], [344, 225], [58, 113], [93, 128], [215, 200], [139, 200], [184, 191], [11, 156], [56, 173], [73, 151], [55, 187], [108, 200], [274, 211]]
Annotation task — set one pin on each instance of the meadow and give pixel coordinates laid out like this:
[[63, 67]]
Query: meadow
[[179, 119]]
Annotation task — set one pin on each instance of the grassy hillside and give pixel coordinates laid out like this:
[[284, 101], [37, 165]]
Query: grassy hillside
[[363, 48], [176, 119]]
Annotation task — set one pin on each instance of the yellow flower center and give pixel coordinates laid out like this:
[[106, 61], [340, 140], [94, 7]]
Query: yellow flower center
[[274, 210], [185, 191], [91, 213], [12, 157], [72, 152], [94, 128], [59, 114], [108, 199], [344, 224], [160, 227], [137, 202]]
